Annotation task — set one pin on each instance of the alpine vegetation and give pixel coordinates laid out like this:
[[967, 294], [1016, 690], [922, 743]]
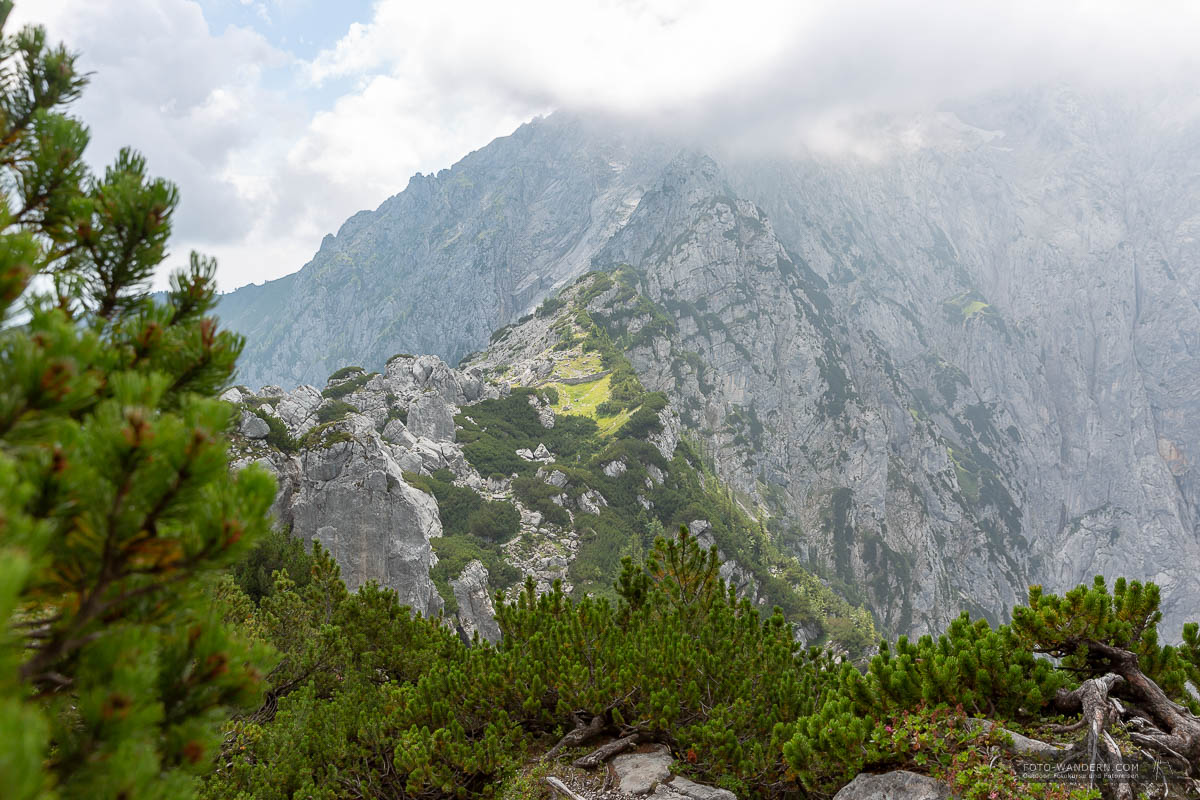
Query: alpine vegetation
[[682, 525]]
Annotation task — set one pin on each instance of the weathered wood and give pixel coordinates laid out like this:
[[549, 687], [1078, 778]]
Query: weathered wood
[[1091, 698], [605, 752], [581, 734], [1180, 730], [560, 788]]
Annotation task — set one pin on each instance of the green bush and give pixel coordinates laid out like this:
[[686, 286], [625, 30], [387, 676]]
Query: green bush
[[494, 521], [332, 410], [278, 436], [278, 551], [347, 386], [345, 372], [549, 306]]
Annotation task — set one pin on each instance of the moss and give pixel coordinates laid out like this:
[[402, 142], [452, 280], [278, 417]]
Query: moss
[[278, 436], [549, 306], [645, 420]]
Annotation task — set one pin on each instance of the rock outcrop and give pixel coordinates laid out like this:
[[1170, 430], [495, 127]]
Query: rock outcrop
[[475, 614]]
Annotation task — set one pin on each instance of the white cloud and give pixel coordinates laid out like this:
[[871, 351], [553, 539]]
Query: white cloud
[[416, 86]]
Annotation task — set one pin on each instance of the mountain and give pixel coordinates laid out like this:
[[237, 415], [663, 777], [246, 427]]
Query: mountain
[[550, 463], [938, 375], [438, 267]]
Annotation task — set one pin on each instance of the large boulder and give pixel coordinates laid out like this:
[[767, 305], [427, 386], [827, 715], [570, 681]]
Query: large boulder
[[476, 614], [898, 785], [253, 426], [682, 789], [347, 491], [642, 773], [432, 418]]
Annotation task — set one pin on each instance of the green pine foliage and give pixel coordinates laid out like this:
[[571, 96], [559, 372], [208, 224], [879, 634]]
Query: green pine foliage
[[1078, 627], [374, 702], [983, 670], [344, 385], [278, 551], [117, 509]]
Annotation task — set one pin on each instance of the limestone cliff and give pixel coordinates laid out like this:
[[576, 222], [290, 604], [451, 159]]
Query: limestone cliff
[[943, 374]]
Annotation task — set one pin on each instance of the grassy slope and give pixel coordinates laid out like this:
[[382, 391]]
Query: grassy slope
[[590, 433]]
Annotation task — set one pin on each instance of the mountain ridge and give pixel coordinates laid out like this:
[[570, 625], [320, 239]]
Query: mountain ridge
[[883, 353]]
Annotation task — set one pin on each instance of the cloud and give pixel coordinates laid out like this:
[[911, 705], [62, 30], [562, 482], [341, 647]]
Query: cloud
[[193, 101], [272, 150], [761, 69]]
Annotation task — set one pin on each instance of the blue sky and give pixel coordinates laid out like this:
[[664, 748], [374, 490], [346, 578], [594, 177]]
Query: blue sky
[[278, 119], [304, 27]]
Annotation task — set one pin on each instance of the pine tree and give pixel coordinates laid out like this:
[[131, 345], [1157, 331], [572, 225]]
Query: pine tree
[[1111, 641], [116, 505]]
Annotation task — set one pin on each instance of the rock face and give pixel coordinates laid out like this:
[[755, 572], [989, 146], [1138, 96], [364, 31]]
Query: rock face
[[454, 256], [899, 785], [343, 484], [476, 614], [350, 496], [965, 367]]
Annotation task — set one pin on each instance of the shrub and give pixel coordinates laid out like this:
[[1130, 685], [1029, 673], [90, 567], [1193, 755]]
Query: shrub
[[347, 386], [332, 410], [345, 372], [278, 436]]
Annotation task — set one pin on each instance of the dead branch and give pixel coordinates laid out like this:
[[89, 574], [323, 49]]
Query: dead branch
[[581, 734], [560, 788], [605, 752]]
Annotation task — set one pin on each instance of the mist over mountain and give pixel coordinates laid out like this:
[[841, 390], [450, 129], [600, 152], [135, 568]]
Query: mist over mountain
[[951, 370]]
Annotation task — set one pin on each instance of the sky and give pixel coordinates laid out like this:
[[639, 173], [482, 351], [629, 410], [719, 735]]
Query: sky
[[278, 119]]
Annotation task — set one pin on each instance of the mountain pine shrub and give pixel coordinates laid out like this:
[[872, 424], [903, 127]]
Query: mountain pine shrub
[[117, 509]]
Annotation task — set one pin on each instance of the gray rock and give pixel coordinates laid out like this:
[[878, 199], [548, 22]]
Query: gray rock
[[542, 454], [554, 477], [1019, 744], [396, 432], [475, 610], [667, 437], [352, 497], [681, 788], [899, 785], [252, 426], [591, 501], [641, 773], [432, 418], [544, 412], [298, 408], [614, 469]]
